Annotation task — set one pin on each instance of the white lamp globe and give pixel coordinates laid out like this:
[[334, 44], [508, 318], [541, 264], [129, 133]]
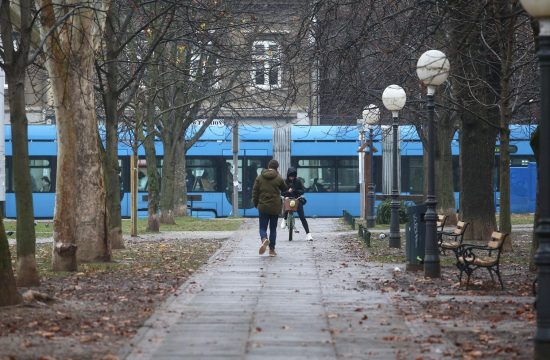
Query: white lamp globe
[[537, 8], [371, 115], [433, 68], [394, 98]]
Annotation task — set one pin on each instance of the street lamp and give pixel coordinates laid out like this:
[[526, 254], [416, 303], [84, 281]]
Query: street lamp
[[371, 116], [394, 99], [540, 9], [432, 69]]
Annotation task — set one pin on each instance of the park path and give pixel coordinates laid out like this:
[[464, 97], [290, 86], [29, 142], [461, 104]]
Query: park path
[[313, 301]]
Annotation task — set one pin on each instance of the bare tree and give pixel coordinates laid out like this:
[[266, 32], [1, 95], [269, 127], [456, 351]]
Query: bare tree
[[119, 79], [16, 59], [80, 214]]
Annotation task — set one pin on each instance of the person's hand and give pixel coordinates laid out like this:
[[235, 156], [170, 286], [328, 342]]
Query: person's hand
[[290, 190]]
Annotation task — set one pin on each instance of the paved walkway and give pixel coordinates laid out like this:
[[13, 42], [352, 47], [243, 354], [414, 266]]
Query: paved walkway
[[313, 301]]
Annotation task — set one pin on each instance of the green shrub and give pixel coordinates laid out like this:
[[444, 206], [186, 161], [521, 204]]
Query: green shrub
[[383, 214]]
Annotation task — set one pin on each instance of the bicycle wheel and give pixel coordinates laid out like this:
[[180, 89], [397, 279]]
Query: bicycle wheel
[[290, 225]]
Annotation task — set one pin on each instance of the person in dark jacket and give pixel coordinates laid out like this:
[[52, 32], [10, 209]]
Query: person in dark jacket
[[266, 196], [295, 190]]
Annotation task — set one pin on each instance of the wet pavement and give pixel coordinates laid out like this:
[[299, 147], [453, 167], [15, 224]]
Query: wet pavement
[[314, 300]]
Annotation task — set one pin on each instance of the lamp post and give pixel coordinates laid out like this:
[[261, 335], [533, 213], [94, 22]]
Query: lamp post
[[361, 158], [371, 116], [394, 99], [432, 69], [540, 9]]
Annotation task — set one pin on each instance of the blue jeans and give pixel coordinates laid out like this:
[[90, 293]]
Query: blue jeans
[[270, 220]]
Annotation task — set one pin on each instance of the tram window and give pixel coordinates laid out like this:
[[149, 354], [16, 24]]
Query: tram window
[[228, 175], [317, 175], [8, 176], [521, 160], [41, 175], [121, 174], [203, 173], [348, 175], [413, 181], [143, 178]]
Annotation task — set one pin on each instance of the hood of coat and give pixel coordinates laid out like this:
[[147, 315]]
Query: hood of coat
[[269, 174], [291, 172]]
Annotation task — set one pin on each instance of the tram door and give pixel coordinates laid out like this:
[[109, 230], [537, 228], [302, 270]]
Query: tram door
[[250, 166]]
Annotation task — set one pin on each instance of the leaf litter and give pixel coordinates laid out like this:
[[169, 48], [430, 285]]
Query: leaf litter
[[92, 313], [479, 322]]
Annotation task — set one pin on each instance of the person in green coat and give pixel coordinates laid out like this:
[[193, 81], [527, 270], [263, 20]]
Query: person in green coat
[[266, 196]]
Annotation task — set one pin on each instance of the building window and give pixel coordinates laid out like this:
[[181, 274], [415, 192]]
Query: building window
[[267, 64]]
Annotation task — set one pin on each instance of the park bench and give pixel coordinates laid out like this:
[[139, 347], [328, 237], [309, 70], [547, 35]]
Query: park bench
[[472, 257], [451, 240], [441, 220]]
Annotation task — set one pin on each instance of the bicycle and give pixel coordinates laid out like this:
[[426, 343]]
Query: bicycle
[[290, 206]]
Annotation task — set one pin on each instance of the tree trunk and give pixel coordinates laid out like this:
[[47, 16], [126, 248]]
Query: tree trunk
[[505, 18], [15, 65], [91, 224], [180, 191], [477, 155], [153, 224], [8, 290], [27, 273], [110, 165], [475, 85], [505, 220], [80, 213], [167, 184], [444, 184], [66, 191], [111, 169]]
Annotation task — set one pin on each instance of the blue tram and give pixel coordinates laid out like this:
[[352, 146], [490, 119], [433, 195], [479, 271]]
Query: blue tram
[[325, 157]]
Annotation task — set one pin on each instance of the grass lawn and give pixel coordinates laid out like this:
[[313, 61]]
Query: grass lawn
[[517, 219], [44, 228], [522, 219], [187, 223]]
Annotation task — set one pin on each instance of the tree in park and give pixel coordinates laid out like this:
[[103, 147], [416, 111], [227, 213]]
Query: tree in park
[[493, 84], [516, 89], [79, 227], [119, 79], [365, 45], [187, 92], [16, 58], [206, 72], [476, 70]]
